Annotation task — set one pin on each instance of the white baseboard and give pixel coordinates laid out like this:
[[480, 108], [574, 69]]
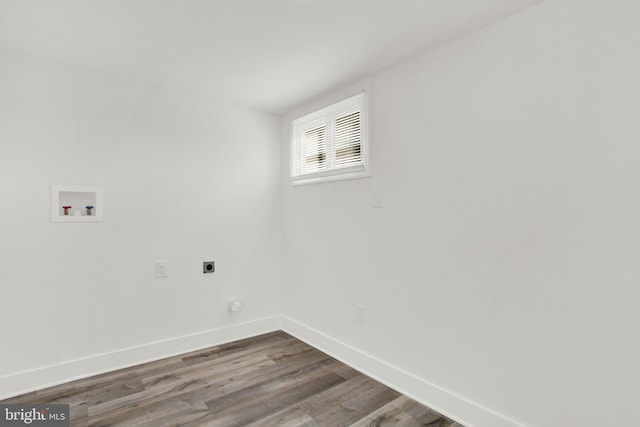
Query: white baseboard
[[447, 403], [443, 401], [47, 376]]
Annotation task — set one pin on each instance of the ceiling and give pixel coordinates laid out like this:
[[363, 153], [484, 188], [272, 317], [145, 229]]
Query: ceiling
[[267, 54]]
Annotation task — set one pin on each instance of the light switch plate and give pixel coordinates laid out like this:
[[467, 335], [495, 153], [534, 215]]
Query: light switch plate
[[162, 269], [376, 199]]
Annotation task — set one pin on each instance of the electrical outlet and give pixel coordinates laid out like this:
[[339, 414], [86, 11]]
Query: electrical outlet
[[208, 267], [162, 269], [361, 313]]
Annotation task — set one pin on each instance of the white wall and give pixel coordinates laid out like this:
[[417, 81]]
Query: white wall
[[501, 267], [504, 264], [69, 292]]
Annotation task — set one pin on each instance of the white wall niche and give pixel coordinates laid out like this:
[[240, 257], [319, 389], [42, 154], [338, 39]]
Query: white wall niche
[[78, 197]]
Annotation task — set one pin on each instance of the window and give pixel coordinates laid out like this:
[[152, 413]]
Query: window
[[330, 143]]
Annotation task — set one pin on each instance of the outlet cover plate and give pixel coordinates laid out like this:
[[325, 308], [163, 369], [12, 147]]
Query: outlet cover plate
[[208, 267]]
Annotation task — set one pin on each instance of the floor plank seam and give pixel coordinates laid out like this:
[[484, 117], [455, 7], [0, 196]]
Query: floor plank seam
[[269, 380]]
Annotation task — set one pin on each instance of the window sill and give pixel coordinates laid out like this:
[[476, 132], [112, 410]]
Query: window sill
[[330, 176]]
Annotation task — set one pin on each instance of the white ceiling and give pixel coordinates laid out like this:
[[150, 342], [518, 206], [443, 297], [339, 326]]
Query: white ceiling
[[268, 54]]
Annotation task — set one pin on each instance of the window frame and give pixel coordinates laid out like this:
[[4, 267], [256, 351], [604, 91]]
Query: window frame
[[328, 117]]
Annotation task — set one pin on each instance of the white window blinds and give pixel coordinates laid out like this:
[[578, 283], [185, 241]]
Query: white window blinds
[[330, 143], [314, 146], [348, 139]]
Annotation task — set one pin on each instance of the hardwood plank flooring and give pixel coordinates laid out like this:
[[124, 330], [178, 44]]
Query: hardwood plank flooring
[[268, 380]]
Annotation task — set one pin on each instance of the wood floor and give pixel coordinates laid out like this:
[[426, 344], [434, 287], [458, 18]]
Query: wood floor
[[269, 380]]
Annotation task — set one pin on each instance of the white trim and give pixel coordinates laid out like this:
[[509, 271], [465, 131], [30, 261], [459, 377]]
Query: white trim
[[326, 116], [329, 177], [447, 403], [456, 407], [47, 376]]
